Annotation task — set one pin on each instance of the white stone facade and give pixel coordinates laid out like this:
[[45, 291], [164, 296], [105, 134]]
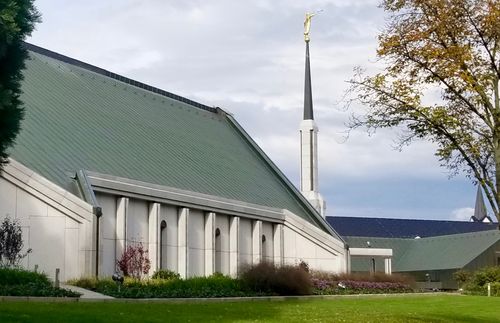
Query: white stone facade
[[191, 233], [56, 225]]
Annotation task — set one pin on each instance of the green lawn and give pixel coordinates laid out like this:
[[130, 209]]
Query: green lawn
[[442, 308]]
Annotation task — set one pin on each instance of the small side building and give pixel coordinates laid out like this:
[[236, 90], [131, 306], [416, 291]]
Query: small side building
[[430, 251]]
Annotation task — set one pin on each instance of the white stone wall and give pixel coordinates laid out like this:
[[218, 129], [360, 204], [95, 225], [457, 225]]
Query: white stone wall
[[245, 242], [170, 238], [196, 244], [58, 237], [107, 234], [267, 246], [61, 230], [137, 222], [222, 248], [299, 248]]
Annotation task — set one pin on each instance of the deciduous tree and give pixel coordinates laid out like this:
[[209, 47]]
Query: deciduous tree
[[450, 48]]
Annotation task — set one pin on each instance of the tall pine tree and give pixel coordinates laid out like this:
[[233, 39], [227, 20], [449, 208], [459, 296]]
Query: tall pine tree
[[17, 21]]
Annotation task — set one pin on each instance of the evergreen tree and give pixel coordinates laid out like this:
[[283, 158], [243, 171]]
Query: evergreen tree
[[17, 20]]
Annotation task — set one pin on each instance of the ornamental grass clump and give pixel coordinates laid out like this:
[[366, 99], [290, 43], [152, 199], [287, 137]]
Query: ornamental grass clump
[[165, 274]]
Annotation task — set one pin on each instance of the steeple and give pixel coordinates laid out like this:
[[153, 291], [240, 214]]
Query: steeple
[[309, 137], [308, 104], [480, 214]]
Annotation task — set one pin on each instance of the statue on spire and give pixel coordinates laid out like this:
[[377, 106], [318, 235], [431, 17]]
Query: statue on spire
[[307, 25]]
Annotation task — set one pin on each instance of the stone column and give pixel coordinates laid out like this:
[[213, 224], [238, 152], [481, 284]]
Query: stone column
[[278, 244], [256, 241], [234, 250], [388, 266], [154, 247], [182, 245], [209, 243], [121, 226]]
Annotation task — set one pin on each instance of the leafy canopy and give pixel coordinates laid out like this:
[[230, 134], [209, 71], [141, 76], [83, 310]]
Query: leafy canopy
[[445, 52], [17, 21]]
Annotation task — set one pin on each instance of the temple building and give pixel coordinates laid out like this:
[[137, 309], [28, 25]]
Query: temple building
[[103, 161]]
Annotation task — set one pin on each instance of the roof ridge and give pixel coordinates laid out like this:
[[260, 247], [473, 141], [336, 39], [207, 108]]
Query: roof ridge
[[126, 80]]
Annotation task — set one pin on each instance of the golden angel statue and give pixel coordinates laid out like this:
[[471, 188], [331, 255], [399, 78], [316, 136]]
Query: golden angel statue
[[307, 25]]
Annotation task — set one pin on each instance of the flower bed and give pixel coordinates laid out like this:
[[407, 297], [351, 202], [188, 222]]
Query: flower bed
[[343, 284], [345, 287]]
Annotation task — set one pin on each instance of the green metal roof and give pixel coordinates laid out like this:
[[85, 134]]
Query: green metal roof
[[433, 253], [77, 118]]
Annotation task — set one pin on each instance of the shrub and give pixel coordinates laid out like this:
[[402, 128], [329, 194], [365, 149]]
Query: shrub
[[165, 274], [477, 283], [269, 279], [462, 276], [213, 286], [134, 261], [19, 282], [11, 243], [15, 276], [486, 275]]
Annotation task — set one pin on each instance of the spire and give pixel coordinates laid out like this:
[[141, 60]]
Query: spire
[[479, 209], [309, 138], [308, 104]]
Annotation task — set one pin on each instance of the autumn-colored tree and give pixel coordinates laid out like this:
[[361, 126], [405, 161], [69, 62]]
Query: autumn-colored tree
[[450, 48]]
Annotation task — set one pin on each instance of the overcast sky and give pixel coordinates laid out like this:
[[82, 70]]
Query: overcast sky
[[248, 58]]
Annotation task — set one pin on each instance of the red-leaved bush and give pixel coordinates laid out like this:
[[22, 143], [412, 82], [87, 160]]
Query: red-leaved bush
[[134, 261]]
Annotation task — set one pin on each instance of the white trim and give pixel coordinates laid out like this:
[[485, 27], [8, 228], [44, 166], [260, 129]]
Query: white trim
[[48, 192], [370, 252], [169, 195]]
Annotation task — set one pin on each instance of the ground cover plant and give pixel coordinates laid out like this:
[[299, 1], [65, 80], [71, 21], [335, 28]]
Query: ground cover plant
[[407, 308], [19, 282], [476, 283]]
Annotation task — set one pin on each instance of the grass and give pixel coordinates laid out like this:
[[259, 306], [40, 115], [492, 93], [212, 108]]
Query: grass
[[442, 308]]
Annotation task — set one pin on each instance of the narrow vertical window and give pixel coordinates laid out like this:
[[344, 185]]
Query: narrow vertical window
[[264, 249], [163, 244], [218, 251]]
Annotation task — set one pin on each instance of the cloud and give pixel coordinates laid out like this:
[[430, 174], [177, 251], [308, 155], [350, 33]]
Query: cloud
[[462, 214]]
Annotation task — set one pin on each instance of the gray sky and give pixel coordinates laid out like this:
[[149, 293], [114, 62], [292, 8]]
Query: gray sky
[[248, 58]]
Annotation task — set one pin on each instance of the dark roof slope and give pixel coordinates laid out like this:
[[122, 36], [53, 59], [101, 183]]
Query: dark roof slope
[[78, 116], [402, 228]]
